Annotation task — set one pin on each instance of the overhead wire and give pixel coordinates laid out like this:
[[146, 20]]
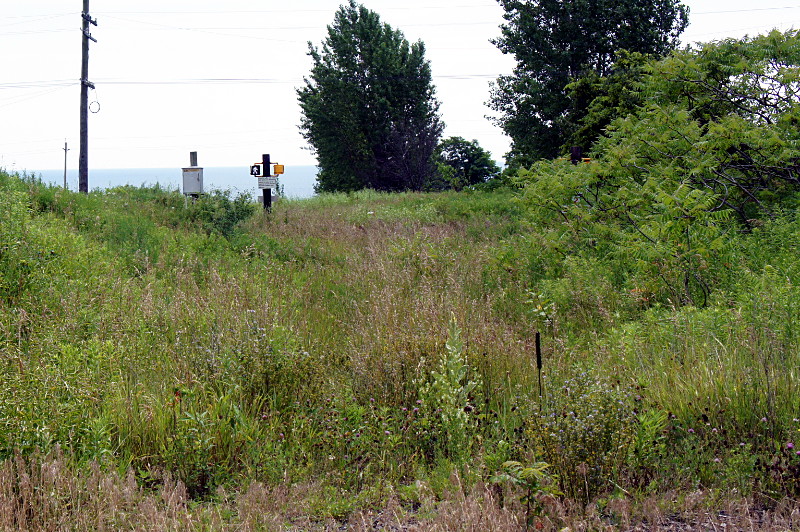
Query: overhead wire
[[199, 81], [33, 32], [37, 84], [34, 18], [19, 99], [290, 11], [743, 10]]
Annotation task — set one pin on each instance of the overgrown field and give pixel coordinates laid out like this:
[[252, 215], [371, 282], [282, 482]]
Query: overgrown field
[[370, 359]]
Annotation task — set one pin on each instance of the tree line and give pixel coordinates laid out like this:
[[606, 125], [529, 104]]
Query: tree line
[[371, 116]]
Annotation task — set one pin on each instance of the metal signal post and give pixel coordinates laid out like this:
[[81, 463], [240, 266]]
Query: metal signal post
[[265, 162], [83, 157], [266, 180]]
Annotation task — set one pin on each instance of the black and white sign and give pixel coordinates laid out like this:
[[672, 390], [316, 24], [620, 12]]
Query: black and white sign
[[255, 170], [267, 182]]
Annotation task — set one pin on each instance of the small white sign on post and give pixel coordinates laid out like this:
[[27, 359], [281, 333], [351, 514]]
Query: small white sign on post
[[267, 182]]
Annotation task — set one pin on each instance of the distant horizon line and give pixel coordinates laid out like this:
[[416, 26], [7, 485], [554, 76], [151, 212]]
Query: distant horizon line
[[150, 168]]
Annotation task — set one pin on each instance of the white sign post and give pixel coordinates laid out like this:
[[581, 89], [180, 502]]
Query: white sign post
[[268, 182]]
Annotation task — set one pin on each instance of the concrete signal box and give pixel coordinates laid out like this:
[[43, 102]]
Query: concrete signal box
[[193, 177]]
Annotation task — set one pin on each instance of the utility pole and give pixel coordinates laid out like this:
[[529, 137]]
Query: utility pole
[[83, 158], [65, 163]]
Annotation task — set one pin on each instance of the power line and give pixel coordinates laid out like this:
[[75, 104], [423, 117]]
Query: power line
[[34, 18], [200, 81], [290, 11], [291, 28], [17, 100], [33, 32], [743, 10], [37, 84]]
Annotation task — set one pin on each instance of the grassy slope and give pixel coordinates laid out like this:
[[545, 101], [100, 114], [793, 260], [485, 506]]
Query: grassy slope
[[306, 351]]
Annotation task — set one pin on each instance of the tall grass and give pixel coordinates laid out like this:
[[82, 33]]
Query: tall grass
[[367, 345]]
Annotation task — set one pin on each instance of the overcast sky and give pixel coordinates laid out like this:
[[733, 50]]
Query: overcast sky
[[219, 78]]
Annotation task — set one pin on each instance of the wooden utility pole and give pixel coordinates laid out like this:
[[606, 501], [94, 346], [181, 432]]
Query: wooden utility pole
[[65, 163], [83, 158]]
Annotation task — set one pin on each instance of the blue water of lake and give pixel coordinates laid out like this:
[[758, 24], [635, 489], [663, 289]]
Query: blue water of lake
[[297, 182]]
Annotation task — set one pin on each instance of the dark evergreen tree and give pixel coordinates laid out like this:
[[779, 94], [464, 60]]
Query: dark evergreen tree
[[555, 42], [369, 109]]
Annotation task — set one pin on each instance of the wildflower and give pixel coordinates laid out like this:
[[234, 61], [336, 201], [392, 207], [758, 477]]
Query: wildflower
[[790, 445], [386, 432], [717, 460], [763, 420], [691, 431]]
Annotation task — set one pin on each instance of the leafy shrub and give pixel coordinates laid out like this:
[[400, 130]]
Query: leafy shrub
[[217, 212], [535, 480], [447, 401], [583, 429]]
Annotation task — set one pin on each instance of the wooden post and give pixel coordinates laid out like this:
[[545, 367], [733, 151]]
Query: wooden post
[[539, 360], [83, 158], [267, 171], [576, 154], [65, 164]]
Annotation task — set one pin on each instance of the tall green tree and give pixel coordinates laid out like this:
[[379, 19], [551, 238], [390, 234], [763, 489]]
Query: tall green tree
[[555, 42], [369, 110]]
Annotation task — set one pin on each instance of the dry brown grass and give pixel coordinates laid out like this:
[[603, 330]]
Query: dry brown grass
[[45, 493]]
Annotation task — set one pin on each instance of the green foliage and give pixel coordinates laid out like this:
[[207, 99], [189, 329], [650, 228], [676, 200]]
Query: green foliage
[[17, 260], [732, 99], [649, 446], [597, 100], [555, 42], [535, 479], [666, 234], [584, 429], [447, 398], [369, 109], [462, 164], [218, 213], [315, 349], [708, 148]]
